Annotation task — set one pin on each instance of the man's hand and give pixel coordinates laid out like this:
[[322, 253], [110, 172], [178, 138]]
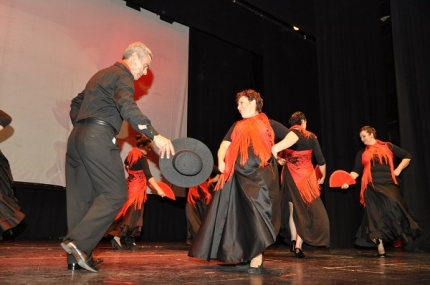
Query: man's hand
[[164, 145]]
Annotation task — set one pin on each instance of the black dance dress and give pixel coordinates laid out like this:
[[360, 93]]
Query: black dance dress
[[195, 213], [131, 221], [385, 214], [311, 220], [10, 214], [243, 218]]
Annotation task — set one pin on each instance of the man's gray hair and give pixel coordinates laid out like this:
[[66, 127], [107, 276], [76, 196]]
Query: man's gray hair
[[137, 47]]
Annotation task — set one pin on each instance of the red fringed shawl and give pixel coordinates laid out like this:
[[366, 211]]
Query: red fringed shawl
[[198, 192], [307, 134], [136, 182], [301, 168], [256, 132], [377, 153]]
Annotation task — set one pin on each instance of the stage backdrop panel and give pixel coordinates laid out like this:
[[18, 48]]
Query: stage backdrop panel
[[48, 52]]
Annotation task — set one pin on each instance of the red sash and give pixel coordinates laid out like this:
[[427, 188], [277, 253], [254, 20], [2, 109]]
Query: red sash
[[301, 168]]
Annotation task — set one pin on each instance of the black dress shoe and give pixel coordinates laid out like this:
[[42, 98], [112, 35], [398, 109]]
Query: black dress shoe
[[81, 257], [93, 262], [96, 261], [74, 266]]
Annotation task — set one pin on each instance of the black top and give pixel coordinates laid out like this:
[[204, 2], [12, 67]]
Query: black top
[[279, 129], [141, 164], [109, 96], [309, 143], [5, 119], [397, 152]]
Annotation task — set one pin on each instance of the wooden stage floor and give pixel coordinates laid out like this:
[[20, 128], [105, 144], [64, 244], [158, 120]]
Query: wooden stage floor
[[44, 262]]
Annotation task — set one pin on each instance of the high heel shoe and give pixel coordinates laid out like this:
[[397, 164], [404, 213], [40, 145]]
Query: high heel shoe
[[293, 245], [130, 242], [256, 270], [116, 243], [299, 253], [132, 245]]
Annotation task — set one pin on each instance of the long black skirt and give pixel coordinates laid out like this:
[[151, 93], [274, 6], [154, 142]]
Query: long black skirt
[[10, 214], [386, 215], [131, 222], [194, 214], [243, 218], [312, 223]]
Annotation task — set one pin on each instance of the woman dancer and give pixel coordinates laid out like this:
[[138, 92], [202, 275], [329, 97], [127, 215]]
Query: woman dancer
[[302, 209], [243, 217], [10, 214], [385, 216], [129, 221]]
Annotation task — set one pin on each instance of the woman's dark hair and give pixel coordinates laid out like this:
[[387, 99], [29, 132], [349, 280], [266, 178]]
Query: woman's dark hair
[[369, 130], [142, 140], [251, 95], [296, 118]]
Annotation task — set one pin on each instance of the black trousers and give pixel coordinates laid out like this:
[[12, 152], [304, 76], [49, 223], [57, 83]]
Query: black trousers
[[95, 184]]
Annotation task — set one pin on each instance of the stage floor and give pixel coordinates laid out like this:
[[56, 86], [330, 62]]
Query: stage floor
[[44, 262]]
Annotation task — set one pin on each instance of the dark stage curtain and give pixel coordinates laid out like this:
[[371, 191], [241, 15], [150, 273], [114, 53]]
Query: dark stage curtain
[[411, 38], [217, 72], [44, 207], [164, 219], [285, 75], [351, 95], [290, 77], [45, 212]]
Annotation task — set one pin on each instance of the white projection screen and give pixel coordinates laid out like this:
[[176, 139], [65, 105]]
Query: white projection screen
[[50, 49]]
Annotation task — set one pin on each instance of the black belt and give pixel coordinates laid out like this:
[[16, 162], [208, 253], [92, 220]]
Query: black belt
[[95, 121]]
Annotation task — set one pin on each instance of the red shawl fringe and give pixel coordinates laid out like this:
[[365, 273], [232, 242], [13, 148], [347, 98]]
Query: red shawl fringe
[[377, 153], [136, 182], [307, 134], [303, 174], [256, 132], [198, 192]]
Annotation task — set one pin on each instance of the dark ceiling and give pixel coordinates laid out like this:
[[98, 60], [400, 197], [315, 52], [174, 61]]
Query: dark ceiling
[[299, 13], [239, 22]]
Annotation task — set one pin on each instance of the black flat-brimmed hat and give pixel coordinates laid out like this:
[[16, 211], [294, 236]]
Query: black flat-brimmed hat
[[191, 165]]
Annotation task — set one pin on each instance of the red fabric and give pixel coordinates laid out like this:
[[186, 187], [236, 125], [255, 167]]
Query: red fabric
[[340, 177], [318, 172], [136, 183], [377, 153], [256, 132], [306, 134], [166, 189], [302, 170], [133, 156], [198, 192]]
